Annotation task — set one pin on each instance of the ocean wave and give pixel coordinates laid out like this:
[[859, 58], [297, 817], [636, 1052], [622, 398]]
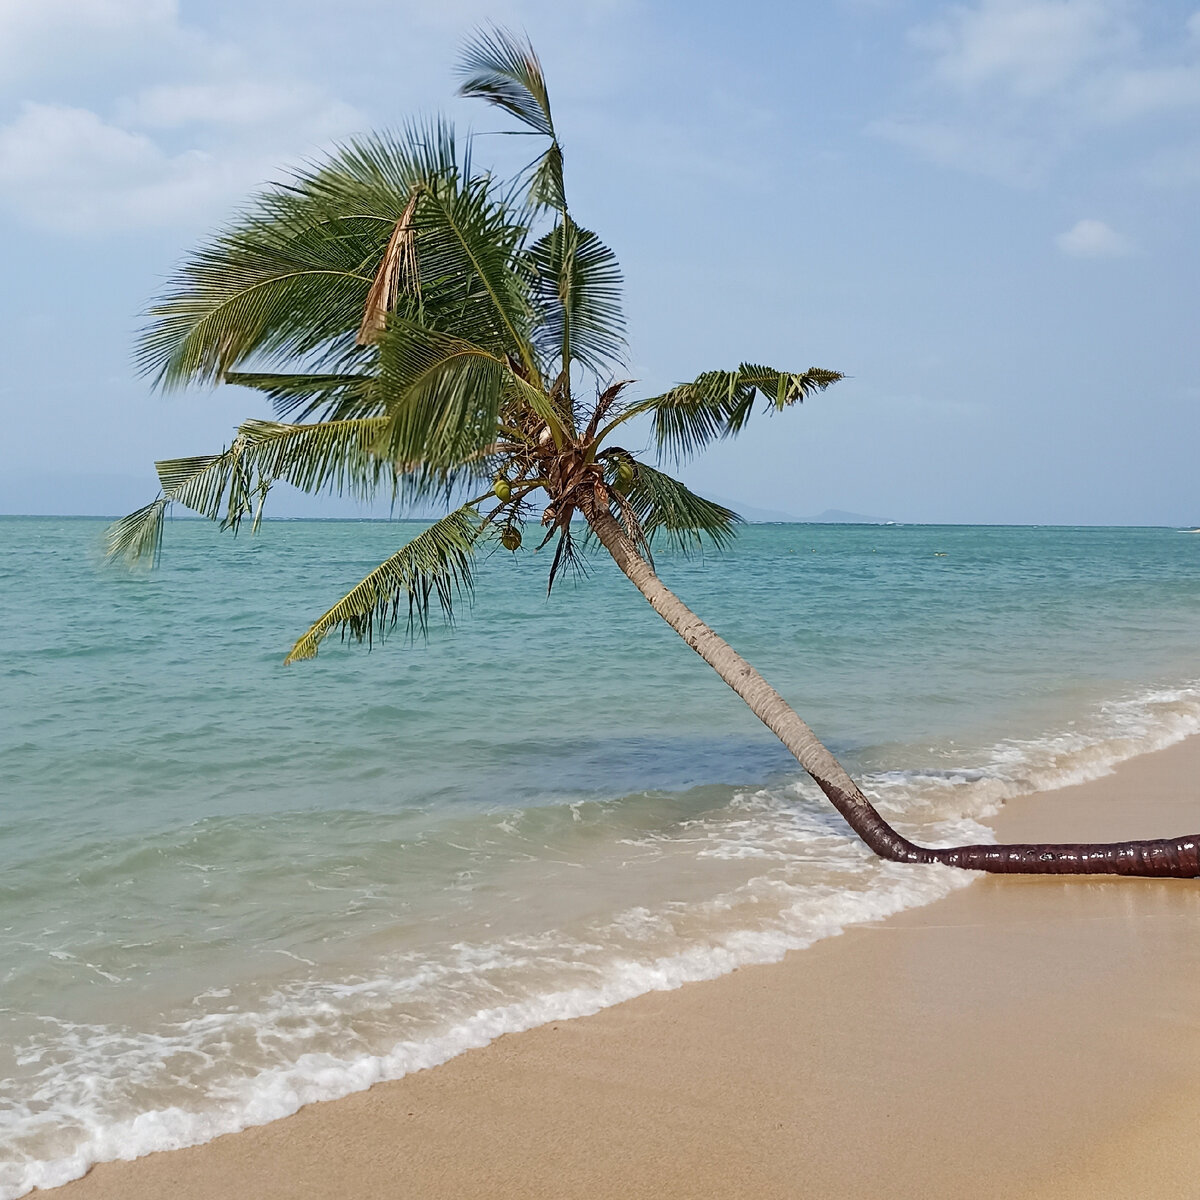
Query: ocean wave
[[92, 1092], [61, 1113]]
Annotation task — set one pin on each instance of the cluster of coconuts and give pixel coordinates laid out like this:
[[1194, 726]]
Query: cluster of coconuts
[[510, 539]]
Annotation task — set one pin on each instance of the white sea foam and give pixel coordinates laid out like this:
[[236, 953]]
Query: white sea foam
[[318, 1039], [1083, 751], [278, 1092]]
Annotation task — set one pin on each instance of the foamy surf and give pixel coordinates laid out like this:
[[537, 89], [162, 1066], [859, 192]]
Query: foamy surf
[[791, 876]]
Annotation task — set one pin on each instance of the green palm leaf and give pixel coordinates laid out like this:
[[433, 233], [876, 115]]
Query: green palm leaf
[[232, 485], [665, 507], [217, 486], [336, 455], [372, 178], [546, 186], [291, 276], [467, 241], [137, 538], [577, 297], [434, 566], [503, 69], [256, 291], [442, 395], [333, 396], [718, 404]]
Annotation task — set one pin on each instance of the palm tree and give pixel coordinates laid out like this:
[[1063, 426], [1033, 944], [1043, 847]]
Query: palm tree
[[434, 331]]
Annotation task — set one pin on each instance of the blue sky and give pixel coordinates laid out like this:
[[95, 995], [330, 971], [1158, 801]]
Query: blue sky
[[985, 213]]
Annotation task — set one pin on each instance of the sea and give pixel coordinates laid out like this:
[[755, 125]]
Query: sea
[[230, 887]]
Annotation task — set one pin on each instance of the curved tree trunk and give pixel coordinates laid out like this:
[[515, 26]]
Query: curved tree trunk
[[1179, 857]]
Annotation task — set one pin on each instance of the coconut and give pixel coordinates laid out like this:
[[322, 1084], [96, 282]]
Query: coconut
[[625, 472], [510, 539], [502, 489]]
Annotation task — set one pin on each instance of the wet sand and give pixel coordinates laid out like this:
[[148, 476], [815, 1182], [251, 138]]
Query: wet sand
[[1020, 1038]]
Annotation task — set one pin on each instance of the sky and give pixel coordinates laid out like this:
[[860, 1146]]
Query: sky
[[984, 213]]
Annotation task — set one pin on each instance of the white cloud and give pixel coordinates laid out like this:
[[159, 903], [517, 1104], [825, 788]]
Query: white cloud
[[1011, 160], [1030, 46], [1090, 238], [1011, 86], [238, 102], [47, 36], [1139, 92], [70, 143], [33, 18], [67, 169], [164, 153]]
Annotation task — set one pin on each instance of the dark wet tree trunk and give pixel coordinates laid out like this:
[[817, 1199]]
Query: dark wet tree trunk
[[1179, 857]]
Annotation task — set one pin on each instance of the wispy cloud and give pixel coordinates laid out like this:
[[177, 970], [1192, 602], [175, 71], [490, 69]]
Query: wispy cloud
[[1011, 159], [68, 169], [1029, 46], [1174, 166], [1091, 238], [1024, 81], [246, 102]]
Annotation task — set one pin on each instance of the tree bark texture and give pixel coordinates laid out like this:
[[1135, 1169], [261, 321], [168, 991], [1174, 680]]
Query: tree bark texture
[[1175, 857]]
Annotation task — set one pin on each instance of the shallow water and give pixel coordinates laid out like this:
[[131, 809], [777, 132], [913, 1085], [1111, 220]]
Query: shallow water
[[229, 887]]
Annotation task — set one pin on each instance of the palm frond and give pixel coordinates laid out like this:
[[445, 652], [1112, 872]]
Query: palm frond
[[434, 567], [333, 396], [566, 554], [232, 485], [442, 396], [255, 292], [718, 404], [577, 298], [335, 455], [220, 487], [137, 538], [374, 177], [467, 242], [665, 507], [291, 276], [503, 69], [546, 188]]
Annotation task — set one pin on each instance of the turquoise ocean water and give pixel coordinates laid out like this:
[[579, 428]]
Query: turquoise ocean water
[[228, 887]]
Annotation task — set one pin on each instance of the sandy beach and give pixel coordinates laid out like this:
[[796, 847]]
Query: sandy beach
[[1020, 1038]]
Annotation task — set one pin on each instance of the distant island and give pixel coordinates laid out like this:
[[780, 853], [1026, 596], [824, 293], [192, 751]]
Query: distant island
[[839, 516]]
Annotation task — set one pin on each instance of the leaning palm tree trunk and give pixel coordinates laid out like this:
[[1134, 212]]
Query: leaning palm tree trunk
[[1178, 857]]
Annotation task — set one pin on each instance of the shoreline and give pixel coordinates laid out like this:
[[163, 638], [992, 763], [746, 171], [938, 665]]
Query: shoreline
[[1019, 1037]]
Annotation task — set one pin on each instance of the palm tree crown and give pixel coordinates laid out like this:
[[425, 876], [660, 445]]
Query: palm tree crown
[[431, 330]]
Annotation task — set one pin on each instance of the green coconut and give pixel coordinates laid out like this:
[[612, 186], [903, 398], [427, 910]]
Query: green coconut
[[510, 539], [503, 490]]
